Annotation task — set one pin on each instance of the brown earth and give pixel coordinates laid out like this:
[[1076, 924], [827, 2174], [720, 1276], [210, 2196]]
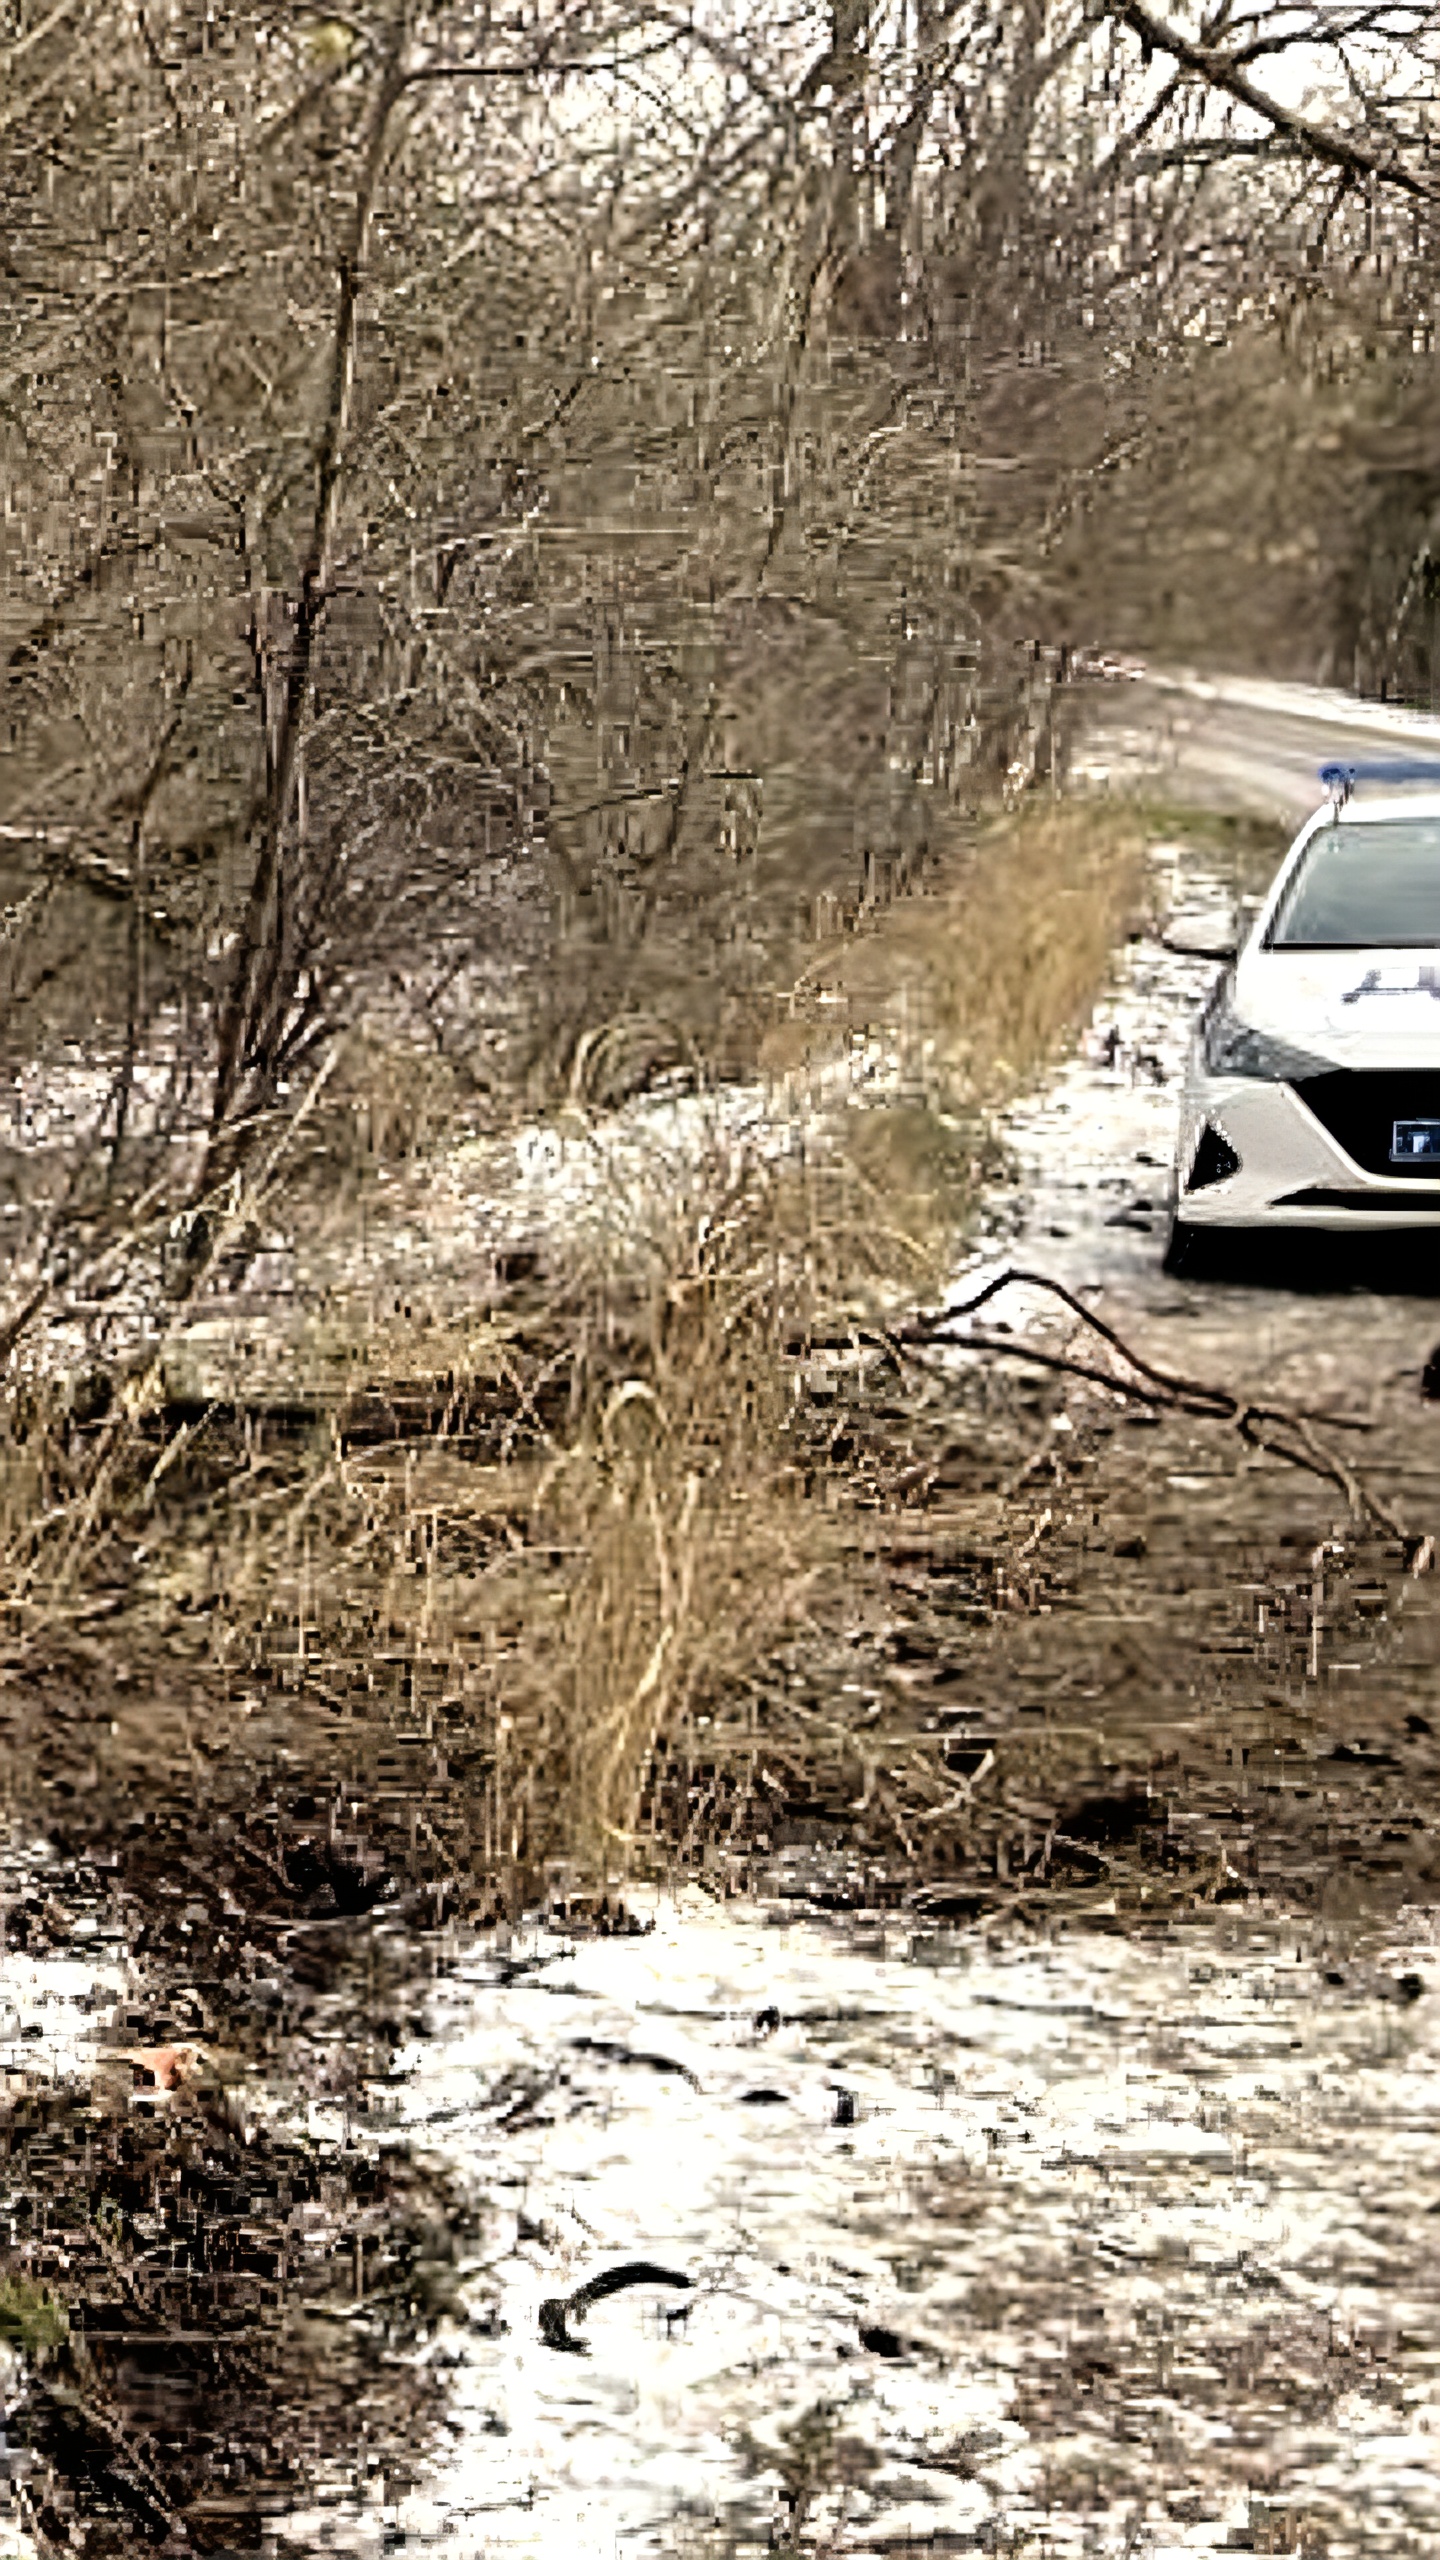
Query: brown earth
[[1044, 1650]]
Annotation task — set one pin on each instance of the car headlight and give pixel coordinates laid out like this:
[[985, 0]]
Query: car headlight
[[1234, 1048]]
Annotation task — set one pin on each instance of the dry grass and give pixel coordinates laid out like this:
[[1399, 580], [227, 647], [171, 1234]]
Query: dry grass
[[980, 976], [467, 1603], [506, 1608], [971, 986]]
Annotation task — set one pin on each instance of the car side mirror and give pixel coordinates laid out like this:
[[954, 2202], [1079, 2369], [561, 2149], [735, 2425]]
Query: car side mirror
[[1203, 937]]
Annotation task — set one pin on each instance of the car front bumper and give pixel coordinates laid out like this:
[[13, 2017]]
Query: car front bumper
[[1291, 1173]]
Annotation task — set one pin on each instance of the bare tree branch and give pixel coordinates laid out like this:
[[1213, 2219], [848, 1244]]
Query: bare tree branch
[[1220, 70], [257, 932]]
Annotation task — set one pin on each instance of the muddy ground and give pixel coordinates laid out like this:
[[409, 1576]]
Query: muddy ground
[[1130, 1733]]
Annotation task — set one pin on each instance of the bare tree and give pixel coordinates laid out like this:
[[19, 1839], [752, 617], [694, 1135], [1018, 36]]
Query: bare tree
[[510, 512]]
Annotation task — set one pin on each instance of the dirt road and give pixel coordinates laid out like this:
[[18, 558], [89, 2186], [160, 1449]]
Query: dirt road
[[1102, 2223]]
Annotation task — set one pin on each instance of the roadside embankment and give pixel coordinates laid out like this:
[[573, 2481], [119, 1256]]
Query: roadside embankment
[[504, 1460], [460, 1541], [680, 1555]]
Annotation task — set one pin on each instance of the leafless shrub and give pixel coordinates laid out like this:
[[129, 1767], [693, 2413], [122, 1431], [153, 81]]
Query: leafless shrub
[[593, 560]]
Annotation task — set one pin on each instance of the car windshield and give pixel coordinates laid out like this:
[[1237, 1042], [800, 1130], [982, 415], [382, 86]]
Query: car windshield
[[1363, 887]]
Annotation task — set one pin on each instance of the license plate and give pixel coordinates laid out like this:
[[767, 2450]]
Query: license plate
[[1416, 1142]]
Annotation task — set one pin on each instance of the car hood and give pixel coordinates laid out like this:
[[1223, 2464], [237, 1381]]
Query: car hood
[[1360, 1008]]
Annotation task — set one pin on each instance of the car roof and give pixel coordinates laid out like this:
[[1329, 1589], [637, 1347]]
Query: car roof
[[1369, 813]]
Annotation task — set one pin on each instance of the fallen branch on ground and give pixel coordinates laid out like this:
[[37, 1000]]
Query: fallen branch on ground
[[1166, 1390]]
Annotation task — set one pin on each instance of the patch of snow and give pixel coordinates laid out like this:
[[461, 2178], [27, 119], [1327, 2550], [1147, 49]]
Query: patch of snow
[[897, 2176]]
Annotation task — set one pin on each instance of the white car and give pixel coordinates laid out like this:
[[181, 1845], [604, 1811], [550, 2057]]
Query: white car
[[1312, 1093]]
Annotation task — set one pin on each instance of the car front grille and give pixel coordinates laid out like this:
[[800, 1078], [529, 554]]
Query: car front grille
[[1360, 1108]]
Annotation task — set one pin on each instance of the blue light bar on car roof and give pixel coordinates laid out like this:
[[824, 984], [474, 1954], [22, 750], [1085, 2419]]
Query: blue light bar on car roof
[[1340, 779]]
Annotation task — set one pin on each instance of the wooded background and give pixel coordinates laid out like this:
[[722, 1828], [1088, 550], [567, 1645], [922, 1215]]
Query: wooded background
[[513, 516]]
